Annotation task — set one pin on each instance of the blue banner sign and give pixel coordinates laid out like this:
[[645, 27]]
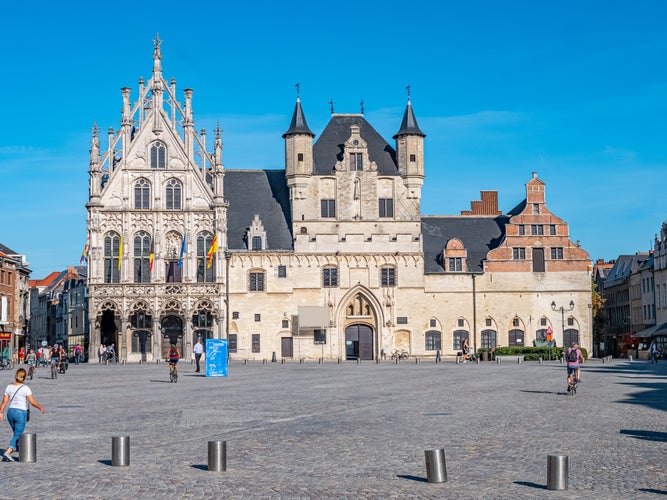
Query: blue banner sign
[[216, 357]]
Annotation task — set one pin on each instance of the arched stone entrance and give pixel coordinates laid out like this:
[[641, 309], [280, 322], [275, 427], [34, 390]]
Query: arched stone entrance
[[172, 332], [358, 342]]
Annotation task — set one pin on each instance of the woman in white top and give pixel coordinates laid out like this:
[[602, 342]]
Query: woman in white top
[[18, 396]]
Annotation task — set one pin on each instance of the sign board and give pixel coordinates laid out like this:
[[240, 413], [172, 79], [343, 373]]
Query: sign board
[[216, 358], [549, 331]]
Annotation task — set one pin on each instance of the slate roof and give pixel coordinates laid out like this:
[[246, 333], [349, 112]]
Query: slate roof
[[7, 250], [409, 124], [623, 268], [298, 125], [478, 234], [328, 149], [261, 192]]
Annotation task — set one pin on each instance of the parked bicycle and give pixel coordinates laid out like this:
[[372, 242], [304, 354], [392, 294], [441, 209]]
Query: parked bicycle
[[400, 354], [6, 364]]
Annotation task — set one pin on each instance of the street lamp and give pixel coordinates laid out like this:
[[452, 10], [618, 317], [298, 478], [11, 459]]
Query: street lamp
[[562, 315]]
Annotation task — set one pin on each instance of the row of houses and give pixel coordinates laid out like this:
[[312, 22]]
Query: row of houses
[[634, 293]]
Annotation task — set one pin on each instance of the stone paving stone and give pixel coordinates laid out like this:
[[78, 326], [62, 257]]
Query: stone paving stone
[[346, 431]]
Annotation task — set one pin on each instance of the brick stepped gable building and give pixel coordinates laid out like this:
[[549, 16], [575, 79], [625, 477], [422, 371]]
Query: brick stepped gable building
[[330, 257]]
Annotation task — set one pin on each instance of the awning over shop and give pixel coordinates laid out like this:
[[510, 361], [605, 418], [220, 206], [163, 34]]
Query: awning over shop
[[654, 331]]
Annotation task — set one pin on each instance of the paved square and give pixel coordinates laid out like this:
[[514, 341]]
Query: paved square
[[349, 430]]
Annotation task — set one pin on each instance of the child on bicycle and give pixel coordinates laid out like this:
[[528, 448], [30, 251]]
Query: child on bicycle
[[573, 358], [31, 360]]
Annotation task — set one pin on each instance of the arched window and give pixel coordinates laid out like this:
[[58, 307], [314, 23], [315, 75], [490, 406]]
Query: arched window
[[459, 335], [158, 155], [205, 274], [173, 194], [142, 252], [112, 258], [488, 339], [570, 336], [432, 338], [142, 193], [516, 337]]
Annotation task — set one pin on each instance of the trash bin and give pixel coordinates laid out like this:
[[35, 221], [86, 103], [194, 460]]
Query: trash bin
[[485, 355]]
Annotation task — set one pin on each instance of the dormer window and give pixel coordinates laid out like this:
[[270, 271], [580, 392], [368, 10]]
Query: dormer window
[[356, 161], [256, 235]]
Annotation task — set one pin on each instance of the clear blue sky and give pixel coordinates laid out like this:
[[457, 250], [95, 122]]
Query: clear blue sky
[[576, 91]]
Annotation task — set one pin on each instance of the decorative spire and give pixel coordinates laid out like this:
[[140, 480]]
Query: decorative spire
[[409, 124], [95, 145], [157, 56], [298, 125]]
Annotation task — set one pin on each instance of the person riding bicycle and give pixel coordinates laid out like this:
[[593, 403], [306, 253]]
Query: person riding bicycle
[[573, 357], [31, 360], [55, 356], [174, 355]]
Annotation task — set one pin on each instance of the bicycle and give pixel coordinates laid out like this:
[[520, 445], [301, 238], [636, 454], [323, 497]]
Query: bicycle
[[6, 364], [173, 372], [399, 354], [31, 370], [572, 386]]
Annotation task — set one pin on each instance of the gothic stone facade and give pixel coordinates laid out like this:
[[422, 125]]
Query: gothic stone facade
[[329, 257]]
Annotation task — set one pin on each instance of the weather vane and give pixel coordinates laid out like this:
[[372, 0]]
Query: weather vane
[[362, 106], [408, 88], [331, 105], [298, 90]]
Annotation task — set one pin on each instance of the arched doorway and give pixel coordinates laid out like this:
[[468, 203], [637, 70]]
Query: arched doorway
[[172, 331], [108, 329], [358, 342]]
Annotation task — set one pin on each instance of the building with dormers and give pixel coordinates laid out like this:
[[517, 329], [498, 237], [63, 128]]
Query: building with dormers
[[329, 257]]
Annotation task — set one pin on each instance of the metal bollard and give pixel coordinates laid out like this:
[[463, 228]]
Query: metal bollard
[[457, 360], [540, 359], [436, 468], [28, 448], [245, 361], [498, 360], [217, 456], [519, 360], [630, 358], [557, 471], [603, 360], [358, 361], [282, 361], [120, 450], [477, 359]]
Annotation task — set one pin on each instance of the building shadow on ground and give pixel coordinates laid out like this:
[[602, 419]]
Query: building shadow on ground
[[531, 485], [659, 437]]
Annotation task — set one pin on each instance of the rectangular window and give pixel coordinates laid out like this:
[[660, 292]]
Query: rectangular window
[[386, 207], [256, 282], [299, 156], [235, 315], [536, 229], [522, 230], [388, 276], [489, 322], [455, 264], [460, 322], [328, 208], [519, 253], [256, 242], [258, 317], [255, 342], [285, 323], [330, 277], [552, 229], [232, 347], [543, 321], [319, 336], [536, 208], [431, 323], [413, 158], [356, 161], [282, 271], [488, 339], [557, 253], [402, 320]]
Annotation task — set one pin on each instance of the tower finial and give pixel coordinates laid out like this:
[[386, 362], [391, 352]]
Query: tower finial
[[298, 91], [157, 41], [361, 104], [408, 89], [331, 105]]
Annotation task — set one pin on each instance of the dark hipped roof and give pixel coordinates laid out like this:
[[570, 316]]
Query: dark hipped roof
[[261, 192], [7, 250], [478, 234], [328, 149]]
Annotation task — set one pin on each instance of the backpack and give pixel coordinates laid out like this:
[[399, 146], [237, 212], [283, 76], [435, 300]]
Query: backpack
[[572, 356]]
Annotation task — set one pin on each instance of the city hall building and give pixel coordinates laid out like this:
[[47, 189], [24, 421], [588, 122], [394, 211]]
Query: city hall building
[[329, 257]]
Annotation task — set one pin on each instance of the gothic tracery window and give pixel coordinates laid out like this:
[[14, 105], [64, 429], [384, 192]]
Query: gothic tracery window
[[112, 258], [142, 251], [158, 155], [205, 274], [142, 191], [174, 190]]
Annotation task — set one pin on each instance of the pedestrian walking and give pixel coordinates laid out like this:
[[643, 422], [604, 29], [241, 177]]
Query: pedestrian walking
[[653, 352], [17, 397], [198, 349], [77, 353], [102, 351]]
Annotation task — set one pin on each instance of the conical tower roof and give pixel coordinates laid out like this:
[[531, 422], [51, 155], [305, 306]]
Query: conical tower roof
[[409, 124], [298, 125]]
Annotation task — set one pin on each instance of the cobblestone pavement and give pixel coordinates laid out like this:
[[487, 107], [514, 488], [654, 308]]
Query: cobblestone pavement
[[346, 431]]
